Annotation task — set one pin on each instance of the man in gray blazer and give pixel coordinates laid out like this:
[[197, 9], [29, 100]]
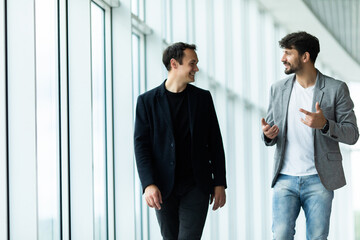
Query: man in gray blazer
[[308, 115]]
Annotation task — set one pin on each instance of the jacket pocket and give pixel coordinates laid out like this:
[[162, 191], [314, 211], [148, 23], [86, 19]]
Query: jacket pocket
[[334, 156]]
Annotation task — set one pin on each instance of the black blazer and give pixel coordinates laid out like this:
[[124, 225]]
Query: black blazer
[[155, 145]]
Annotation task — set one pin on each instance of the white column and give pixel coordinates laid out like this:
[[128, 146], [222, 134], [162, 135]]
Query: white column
[[123, 122], [22, 120]]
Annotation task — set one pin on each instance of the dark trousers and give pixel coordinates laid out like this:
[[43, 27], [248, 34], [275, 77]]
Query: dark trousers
[[182, 216]]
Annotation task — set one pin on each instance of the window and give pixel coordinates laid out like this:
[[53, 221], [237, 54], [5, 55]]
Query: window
[[99, 120], [355, 154]]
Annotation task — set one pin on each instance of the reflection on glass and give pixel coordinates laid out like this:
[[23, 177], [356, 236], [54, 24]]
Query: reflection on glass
[[47, 120], [98, 122]]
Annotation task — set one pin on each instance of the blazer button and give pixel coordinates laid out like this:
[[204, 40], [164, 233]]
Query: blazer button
[[172, 145], [171, 163]]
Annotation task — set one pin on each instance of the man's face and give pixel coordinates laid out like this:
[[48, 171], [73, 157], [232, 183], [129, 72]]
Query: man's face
[[188, 68], [292, 61]]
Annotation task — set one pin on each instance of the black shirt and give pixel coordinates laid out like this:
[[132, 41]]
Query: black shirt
[[179, 110]]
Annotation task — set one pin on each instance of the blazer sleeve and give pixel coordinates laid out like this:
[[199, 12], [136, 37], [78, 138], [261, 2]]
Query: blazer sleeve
[[270, 120], [216, 148], [142, 145], [344, 129]]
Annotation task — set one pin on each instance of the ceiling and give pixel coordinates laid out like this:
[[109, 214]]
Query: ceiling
[[341, 19], [334, 22]]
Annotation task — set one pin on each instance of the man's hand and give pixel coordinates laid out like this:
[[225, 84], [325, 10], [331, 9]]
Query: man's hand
[[153, 196], [269, 132], [220, 197], [314, 120]]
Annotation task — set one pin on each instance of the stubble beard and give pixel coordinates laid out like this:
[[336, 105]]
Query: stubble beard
[[292, 69]]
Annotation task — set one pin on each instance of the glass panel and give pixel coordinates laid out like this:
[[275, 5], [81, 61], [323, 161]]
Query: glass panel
[[355, 182], [135, 7], [168, 11], [141, 10], [47, 119], [98, 123], [355, 164], [219, 41], [136, 66]]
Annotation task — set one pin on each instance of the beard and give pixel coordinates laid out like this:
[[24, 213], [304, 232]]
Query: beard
[[293, 68]]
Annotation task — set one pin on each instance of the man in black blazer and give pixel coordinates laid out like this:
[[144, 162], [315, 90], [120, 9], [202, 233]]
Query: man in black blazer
[[178, 147]]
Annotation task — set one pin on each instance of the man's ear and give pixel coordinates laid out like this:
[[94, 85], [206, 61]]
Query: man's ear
[[174, 64], [306, 57]]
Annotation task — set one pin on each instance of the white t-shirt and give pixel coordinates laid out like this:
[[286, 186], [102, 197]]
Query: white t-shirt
[[299, 149]]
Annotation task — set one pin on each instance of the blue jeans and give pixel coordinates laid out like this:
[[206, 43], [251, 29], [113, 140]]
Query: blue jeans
[[293, 192]]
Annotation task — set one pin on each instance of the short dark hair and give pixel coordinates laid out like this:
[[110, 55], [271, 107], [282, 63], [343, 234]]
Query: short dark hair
[[302, 42], [175, 51]]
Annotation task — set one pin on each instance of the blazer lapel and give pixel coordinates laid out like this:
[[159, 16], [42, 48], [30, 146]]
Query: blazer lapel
[[164, 105], [318, 93], [192, 106], [286, 98]]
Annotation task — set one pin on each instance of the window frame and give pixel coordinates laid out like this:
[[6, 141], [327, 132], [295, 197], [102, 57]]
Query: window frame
[[142, 224], [3, 128], [47, 84]]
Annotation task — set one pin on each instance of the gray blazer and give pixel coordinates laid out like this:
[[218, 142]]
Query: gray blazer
[[337, 106]]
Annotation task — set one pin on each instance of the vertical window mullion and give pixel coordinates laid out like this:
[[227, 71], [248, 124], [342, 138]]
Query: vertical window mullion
[[63, 122], [109, 127], [3, 130]]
